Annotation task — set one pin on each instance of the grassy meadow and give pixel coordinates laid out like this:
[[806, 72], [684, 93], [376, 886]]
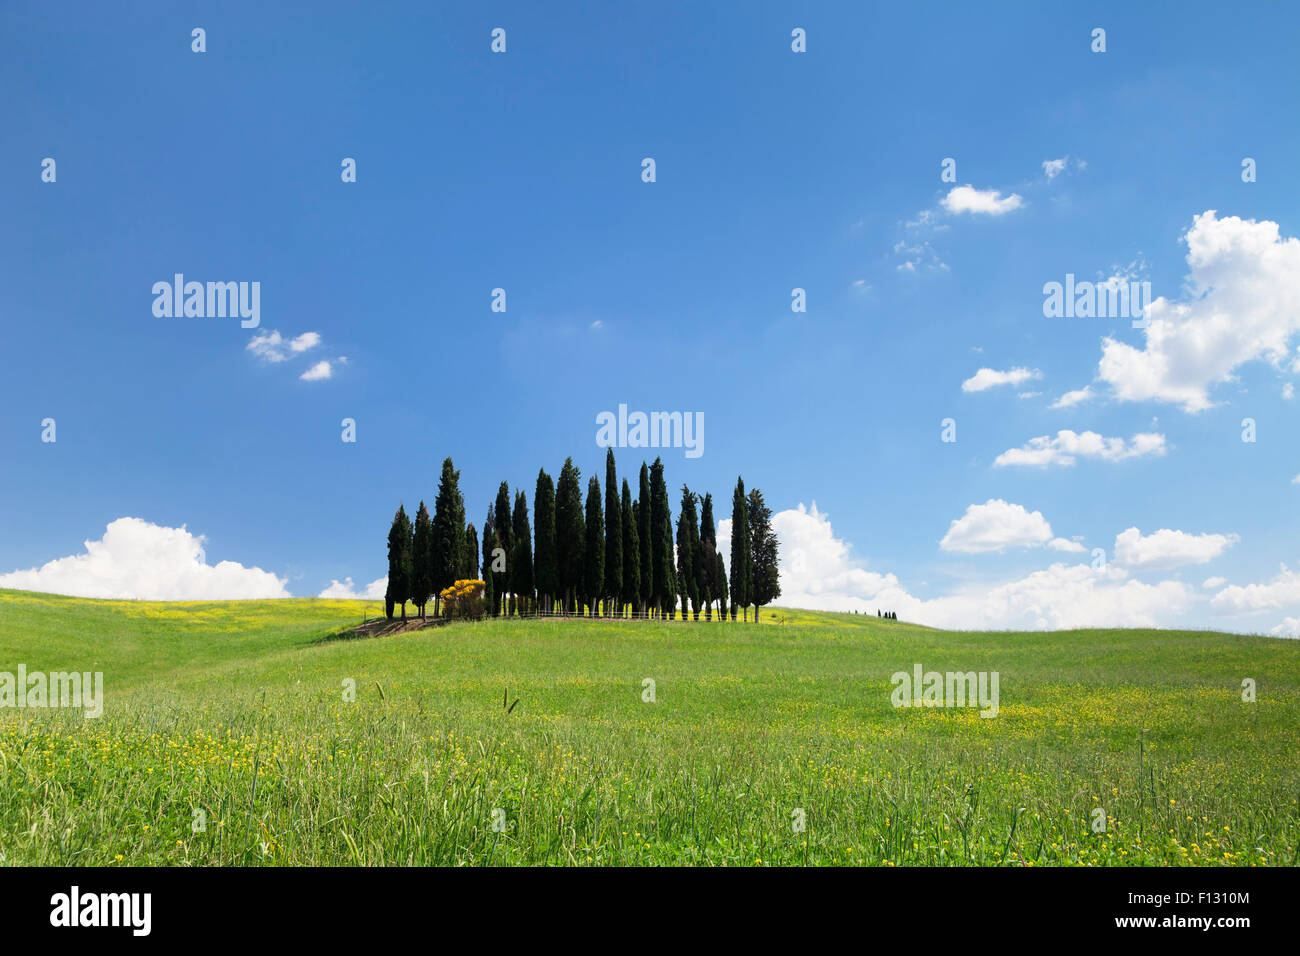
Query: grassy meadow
[[226, 740]]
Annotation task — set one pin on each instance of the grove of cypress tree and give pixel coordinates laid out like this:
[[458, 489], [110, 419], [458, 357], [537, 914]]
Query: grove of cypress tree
[[720, 578], [645, 558], [489, 544], [521, 562], [631, 581], [422, 559], [400, 563], [705, 564], [740, 555], [664, 592], [613, 587], [569, 533], [593, 558], [544, 560], [765, 583]]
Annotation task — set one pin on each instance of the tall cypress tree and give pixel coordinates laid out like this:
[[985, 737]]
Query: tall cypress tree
[[505, 541], [422, 559], [661, 553], [469, 570], [688, 535], [765, 585], [645, 539], [569, 533], [400, 563], [613, 587], [489, 545], [740, 555], [593, 557], [521, 562], [544, 560], [706, 565], [721, 578], [448, 529], [630, 594]]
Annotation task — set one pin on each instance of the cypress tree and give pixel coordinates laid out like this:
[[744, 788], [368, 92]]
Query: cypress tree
[[645, 559], [400, 564], [505, 541], [740, 555], [664, 592], [422, 559], [470, 569], [720, 578], [521, 561], [631, 590], [688, 543], [489, 544], [706, 564], [765, 586], [544, 561], [448, 529], [593, 559], [613, 586], [569, 533]]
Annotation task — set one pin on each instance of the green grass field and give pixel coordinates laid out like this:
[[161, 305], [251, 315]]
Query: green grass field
[[230, 717]]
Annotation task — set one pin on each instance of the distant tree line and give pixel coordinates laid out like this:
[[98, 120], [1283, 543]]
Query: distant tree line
[[611, 554]]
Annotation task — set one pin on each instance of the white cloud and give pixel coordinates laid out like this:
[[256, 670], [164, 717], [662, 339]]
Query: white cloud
[[346, 590], [1290, 627], [987, 378], [318, 372], [1281, 591], [1169, 549], [1063, 544], [1068, 446], [1288, 391], [143, 561], [1070, 399], [995, 526], [980, 201], [270, 346], [1215, 582], [1242, 304], [1054, 167], [817, 572], [1296, 480]]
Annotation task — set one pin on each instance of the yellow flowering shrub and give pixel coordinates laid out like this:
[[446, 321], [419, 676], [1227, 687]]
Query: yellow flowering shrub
[[464, 599]]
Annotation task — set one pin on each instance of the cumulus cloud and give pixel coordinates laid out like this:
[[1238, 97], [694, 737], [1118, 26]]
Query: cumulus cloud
[[301, 343], [139, 560], [319, 372], [989, 202], [1242, 304], [270, 346], [346, 590], [1070, 399], [1069, 446], [1169, 549], [1215, 582], [818, 572], [995, 526], [987, 378], [1290, 627], [1282, 590], [1054, 167]]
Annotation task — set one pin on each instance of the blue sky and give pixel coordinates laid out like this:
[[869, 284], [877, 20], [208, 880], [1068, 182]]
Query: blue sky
[[775, 170]]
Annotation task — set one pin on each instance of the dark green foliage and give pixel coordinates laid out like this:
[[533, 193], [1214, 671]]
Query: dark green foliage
[[645, 540], [489, 543], [664, 591], [469, 571], [740, 555], [448, 529], [765, 586], [631, 581], [593, 558], [422, 559], [705, 562], [569, 534], [688, 547], [544, 560], [521, 560], [720, 578], [505, 541], [400, 564], [613, 587]]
